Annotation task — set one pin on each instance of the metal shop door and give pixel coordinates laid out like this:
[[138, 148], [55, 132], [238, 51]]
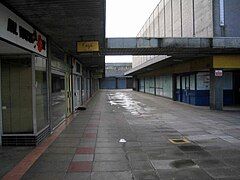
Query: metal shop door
[[16, 89], [108, 83], [186, 89], [121, 83]]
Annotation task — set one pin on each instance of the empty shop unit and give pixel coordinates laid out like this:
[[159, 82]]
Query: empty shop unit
[[40, 84], [24, 99], [36, 100], [116, 83], [195, 85]]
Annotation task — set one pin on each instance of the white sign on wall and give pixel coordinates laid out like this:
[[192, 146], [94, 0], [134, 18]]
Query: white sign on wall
[[17, 31], [203, 81]]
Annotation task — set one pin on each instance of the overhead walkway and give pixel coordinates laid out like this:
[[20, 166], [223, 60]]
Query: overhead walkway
[[172, 46]]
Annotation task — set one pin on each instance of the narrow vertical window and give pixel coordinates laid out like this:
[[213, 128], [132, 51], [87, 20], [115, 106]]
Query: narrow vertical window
[[222, 13]]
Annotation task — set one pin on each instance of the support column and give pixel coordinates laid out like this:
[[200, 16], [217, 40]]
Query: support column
[[135, 84], [216, 91], [49, 84], [144, 85], [34, 100]]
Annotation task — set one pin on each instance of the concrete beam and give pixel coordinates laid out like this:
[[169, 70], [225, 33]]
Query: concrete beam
[[172, 46]]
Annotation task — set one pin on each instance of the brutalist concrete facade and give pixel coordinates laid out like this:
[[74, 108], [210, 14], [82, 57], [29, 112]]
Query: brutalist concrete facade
[[191, 18]]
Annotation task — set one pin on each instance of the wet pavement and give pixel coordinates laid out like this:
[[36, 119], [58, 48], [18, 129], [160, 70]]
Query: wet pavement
[[11, 156], [126, 135]]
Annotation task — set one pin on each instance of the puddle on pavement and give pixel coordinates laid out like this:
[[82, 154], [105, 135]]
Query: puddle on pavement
[[183, 164], [136, 108]]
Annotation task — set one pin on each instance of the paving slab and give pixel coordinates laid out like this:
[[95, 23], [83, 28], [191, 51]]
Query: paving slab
[[89, 147], [111, 166], [126, 175]]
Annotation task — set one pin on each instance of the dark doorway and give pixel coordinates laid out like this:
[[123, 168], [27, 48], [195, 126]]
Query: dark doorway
[[237, 88]]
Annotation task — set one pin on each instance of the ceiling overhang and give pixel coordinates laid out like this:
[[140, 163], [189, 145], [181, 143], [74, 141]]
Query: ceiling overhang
[[67, 22]]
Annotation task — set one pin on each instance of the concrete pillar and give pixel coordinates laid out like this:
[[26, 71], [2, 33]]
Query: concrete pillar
[[136, 84], [34, 100], [144, 85], [155, 86], [49, 82], [216, 91]]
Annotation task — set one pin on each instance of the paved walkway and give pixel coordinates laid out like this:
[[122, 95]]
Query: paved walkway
[[89, 147]]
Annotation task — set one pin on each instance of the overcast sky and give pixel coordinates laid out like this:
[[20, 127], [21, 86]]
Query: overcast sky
[[125, 18]]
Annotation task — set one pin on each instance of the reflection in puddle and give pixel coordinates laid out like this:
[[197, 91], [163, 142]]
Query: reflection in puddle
[[134, 107]]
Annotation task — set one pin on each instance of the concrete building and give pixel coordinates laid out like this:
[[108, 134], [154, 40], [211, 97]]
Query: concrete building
[[199, 79], [114, 76], [43, 78]]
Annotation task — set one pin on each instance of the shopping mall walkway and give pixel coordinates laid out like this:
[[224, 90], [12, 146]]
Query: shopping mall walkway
[[90, 147]]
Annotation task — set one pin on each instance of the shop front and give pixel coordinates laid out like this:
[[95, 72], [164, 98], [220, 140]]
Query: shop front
[[194, 88], [24, 99], [23, 87], [61, 91], [77, 80]]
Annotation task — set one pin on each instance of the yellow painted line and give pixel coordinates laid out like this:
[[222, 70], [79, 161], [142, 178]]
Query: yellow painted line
[[179, 141]]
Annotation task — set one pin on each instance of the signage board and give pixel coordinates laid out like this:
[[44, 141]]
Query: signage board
[[87, 46], [218, 73], [17, 31], [97, 75]]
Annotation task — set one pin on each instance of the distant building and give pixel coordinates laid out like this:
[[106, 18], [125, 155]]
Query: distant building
[[117, 69], [114, 76]]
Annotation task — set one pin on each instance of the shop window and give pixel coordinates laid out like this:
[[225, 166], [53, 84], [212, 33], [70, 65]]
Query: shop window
[[41, 92], [58, 97], [192, 82]]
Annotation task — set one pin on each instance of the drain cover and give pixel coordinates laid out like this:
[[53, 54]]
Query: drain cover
[[183, 163], [190, 148], [179, 141]]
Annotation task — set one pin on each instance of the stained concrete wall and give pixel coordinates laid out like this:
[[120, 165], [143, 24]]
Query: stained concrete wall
[[203, 18], [187, 18], [178, 18], [168, 18], [191, 18]]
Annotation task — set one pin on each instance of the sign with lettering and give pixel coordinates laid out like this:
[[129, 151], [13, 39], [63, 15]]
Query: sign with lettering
[[87, 46], [97, 75], [17, 31]]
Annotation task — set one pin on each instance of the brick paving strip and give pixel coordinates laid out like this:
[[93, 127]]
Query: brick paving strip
[[24, 165]]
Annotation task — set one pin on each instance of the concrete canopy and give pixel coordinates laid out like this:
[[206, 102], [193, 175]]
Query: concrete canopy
[[66, 22]]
